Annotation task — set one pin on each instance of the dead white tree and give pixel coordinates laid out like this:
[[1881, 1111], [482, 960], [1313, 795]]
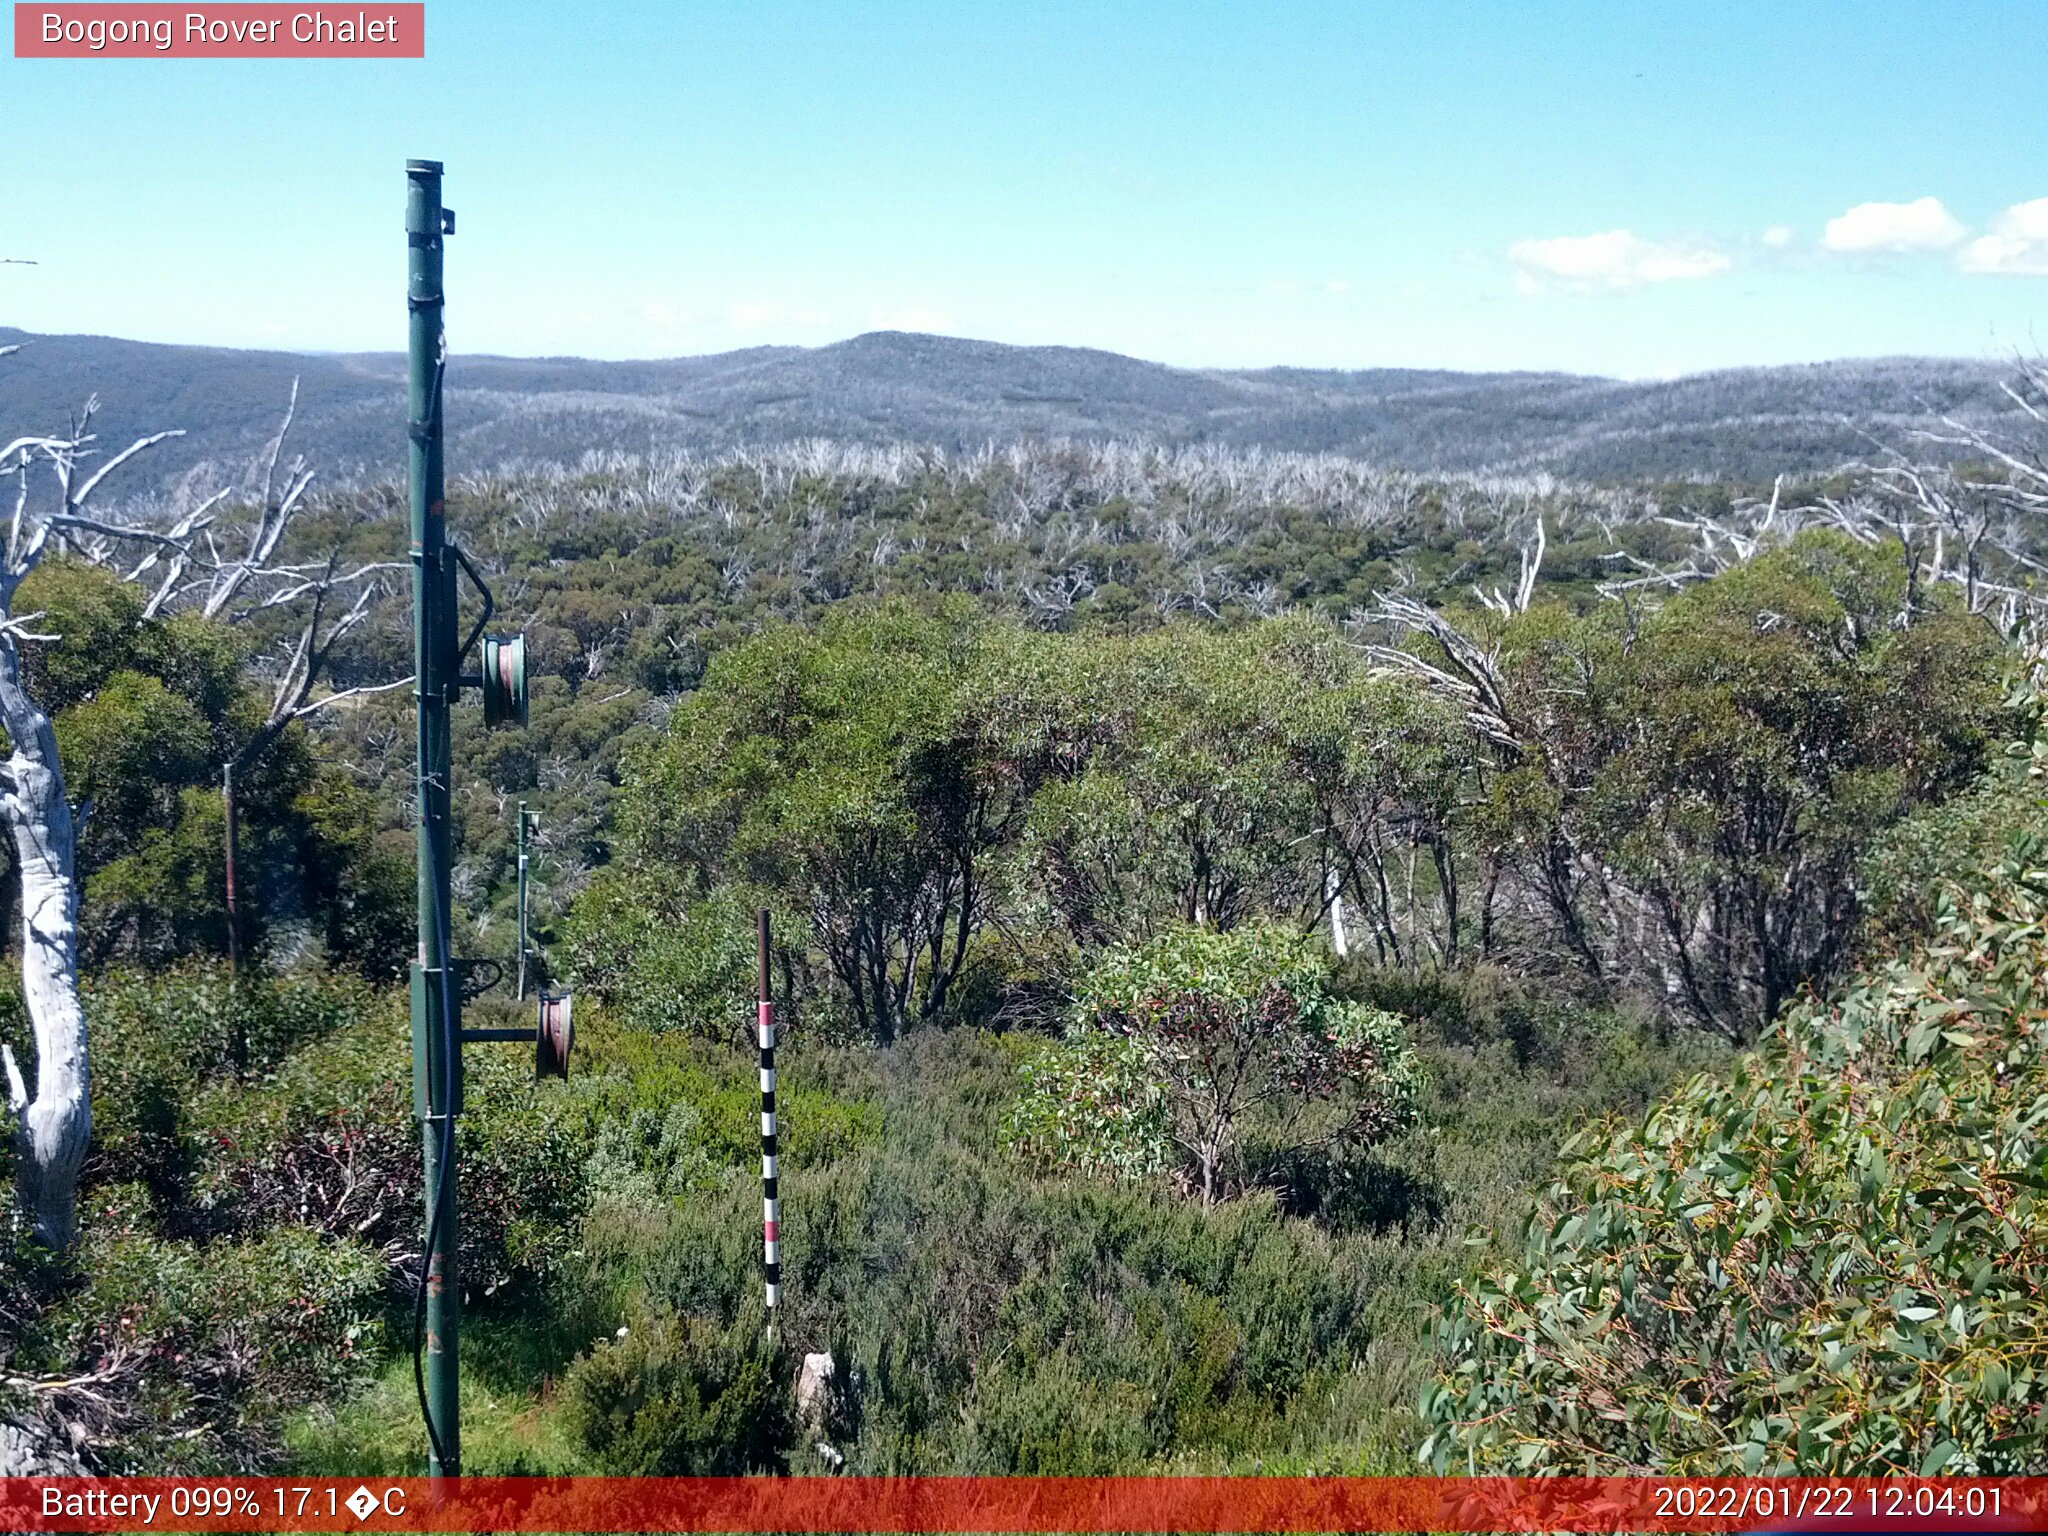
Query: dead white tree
[[187, 567], [183, 565], [1983, 512], [1966, 506], [1525, 585], [53, 1125]]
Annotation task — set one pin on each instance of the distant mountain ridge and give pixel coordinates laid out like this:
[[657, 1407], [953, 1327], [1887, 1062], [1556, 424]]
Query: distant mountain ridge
[[1747, 424]]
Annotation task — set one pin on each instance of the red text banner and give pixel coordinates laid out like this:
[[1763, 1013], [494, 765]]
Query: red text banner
[[233, 31], [1024, 1504]]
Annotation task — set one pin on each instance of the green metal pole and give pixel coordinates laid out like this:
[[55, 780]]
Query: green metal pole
[[436, 1003], [522, 900]]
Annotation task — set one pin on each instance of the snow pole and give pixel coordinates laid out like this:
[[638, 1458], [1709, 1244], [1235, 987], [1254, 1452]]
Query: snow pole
[[771, 1227]]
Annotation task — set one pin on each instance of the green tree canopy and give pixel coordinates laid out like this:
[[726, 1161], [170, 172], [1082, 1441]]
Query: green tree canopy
[[147, 711], [870, 772], [1681, 793]]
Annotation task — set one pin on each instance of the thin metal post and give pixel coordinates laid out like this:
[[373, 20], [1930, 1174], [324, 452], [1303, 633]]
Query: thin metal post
[[227, 797], [522, 901], [238, 1044], [436, 1000], [771, 1215]]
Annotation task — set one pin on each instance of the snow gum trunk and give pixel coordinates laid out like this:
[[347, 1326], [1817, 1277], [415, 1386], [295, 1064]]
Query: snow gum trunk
[[55, 1124]]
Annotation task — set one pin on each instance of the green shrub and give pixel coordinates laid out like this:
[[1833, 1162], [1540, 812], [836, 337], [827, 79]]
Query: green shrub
[[329, 1141], [160, 1039], [1091, 1105], [202, 1347], [1512, 1069], [682, 1397], [1231, 1051], [669, 1094], [964, 1299], [647, 1156], [1830, 1262], [663, 964], [1059, 1418], [1937, 846]]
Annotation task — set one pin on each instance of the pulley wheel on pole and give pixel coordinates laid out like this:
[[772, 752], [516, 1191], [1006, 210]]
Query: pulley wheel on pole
[[555, 1036], [504, 680]]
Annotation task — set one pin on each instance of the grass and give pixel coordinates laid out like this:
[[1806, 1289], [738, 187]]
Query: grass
[[996, 1321]]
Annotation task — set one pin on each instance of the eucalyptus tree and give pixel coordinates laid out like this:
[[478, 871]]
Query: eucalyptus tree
[[1181, 1046], [1261, 772], [1186, 806], [181, 561], [872, 772], [1684, 789]]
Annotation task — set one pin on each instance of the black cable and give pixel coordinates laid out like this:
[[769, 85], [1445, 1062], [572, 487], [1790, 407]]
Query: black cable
[[449, 1047]]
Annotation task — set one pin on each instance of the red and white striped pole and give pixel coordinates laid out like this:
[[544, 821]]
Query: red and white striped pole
[[771, 1236]]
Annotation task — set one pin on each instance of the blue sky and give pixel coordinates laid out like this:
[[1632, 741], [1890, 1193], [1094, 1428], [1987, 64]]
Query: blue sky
[[1632, 188]]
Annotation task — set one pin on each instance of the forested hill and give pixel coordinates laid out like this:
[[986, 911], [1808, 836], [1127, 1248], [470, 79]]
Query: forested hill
[[888, 386]]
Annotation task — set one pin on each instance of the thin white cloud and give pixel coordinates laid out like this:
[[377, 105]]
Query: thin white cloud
[[1921, 225], [1616, 259], [1778, 236], [2018, 242]]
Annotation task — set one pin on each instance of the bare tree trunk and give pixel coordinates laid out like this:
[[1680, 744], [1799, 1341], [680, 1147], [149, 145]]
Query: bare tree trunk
[[1447, 881], [1486, 906], [54, 1126], [1408, 900]]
